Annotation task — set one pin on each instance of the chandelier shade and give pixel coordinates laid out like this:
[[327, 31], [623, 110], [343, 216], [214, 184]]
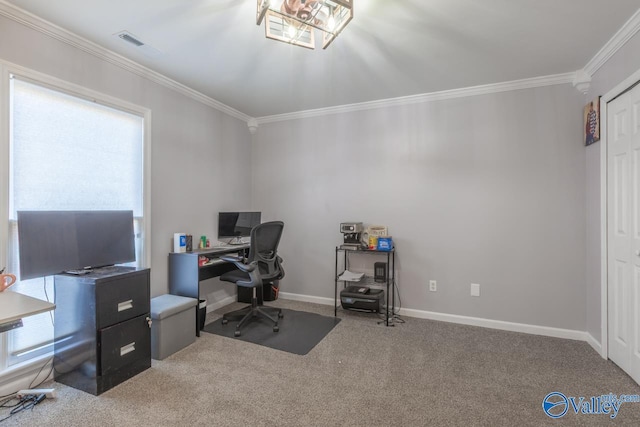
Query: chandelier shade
[[296, 21]]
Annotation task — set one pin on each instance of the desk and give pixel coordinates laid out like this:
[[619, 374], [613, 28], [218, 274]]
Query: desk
[[185, 274], [14, 306]]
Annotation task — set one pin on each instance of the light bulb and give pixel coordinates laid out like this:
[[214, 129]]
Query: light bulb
[[331, 23], [292, 31]]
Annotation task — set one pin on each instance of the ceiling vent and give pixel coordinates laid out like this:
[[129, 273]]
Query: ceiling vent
[[138, 44], [129, 38]]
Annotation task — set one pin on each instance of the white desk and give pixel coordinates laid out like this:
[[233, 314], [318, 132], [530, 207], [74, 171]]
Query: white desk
[[14, 306]]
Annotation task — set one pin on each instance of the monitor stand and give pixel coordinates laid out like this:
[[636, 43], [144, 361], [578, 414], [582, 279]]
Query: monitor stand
[[88, 270], [79, 272]]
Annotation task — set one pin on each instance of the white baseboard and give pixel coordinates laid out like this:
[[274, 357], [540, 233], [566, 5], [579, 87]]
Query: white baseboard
[[306, 298], [597, 346], [221, 303], [497, 324], [466, 320]]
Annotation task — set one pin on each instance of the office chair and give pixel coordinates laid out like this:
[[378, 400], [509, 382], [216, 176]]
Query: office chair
[[263, 266]]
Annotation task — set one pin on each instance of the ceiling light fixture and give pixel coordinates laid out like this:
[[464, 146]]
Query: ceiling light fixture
[[294, 21]]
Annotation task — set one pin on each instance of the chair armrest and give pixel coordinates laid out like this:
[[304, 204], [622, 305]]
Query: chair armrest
[[238, 262], [279, 262]]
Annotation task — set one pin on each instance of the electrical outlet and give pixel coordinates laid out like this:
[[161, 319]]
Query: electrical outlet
[[475, 290], [433, 286]]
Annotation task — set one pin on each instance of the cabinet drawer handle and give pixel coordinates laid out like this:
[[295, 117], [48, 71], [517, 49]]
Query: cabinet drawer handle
[[127, 348], [125, 305]]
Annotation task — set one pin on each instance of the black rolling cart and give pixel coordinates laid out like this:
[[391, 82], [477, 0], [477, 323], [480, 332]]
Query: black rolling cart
[[366, 301]]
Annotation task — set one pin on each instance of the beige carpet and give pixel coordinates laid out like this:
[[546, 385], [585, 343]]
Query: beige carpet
[[420, 373]]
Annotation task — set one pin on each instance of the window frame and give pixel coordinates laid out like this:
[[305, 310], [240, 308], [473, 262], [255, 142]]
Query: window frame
[[7, 72]]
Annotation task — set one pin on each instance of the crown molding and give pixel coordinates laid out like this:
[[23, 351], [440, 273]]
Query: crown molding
[[628, 30], [34, 22], [582, 81], [556, 79], [252, 124]]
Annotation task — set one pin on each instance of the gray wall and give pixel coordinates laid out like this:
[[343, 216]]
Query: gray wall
[[486, 189], [620, 66], [195, 148]]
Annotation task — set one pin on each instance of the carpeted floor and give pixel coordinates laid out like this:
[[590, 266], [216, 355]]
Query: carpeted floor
[[420, 373]]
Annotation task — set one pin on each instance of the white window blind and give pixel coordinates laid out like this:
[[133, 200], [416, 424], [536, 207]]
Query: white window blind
[[67, 153]]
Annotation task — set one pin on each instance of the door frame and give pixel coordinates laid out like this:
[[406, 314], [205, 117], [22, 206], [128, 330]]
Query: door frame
[[619, 89]]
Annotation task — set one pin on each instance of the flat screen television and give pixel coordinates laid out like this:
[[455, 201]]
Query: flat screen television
[[235, 225], [51, 242]]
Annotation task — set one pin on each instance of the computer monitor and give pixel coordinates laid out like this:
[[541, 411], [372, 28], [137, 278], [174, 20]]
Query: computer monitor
[[236, 225]]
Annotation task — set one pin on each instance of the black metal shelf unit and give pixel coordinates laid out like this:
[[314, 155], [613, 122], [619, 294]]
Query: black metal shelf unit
[[389, 284]]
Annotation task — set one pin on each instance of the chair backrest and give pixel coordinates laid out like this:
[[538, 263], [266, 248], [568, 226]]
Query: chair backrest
[[264, 249]]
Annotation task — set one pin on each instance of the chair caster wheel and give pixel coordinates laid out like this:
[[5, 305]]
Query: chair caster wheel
[[225, 321], [236, 334], [280, 315], [276, 329]]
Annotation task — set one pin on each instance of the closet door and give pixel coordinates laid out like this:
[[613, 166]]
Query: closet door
[[623, 223]]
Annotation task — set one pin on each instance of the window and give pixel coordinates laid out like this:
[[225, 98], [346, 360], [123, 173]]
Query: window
[[68, 153]]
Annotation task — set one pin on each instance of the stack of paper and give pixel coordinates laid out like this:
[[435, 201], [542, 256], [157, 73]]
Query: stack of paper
[[349, 276]]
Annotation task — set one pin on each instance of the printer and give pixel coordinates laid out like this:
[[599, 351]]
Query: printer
[[362, 298]]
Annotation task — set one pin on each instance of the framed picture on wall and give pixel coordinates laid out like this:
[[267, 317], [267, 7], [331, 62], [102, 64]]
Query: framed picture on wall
[[592, 122]]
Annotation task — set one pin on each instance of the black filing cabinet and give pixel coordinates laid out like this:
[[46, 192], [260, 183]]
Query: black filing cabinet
[[102, 327]]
